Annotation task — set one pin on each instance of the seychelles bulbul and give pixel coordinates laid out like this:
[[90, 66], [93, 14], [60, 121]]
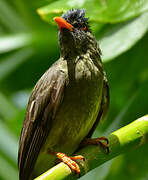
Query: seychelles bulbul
[[67, 102]]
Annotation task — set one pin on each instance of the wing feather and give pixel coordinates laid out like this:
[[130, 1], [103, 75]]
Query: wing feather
[[41, 110]]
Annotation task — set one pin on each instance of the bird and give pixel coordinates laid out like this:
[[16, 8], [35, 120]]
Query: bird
[[67, 103]]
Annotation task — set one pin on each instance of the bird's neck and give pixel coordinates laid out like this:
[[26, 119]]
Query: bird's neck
[[71, 51], [89, 54]]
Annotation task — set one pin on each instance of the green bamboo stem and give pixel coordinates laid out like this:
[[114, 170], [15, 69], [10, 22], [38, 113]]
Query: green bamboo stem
[[121, 141]]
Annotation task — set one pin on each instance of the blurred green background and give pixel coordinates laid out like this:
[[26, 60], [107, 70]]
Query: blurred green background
[[29, 45]]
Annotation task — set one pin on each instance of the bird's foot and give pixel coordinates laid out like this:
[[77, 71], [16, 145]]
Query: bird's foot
[[96, 141], [70, 161]]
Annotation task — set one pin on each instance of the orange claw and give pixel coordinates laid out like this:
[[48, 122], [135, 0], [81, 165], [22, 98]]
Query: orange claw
[[79, 157], [70, 161], [96, 141]]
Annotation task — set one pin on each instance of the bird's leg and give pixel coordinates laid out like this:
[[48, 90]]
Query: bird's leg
[[96, 141], [70, 161]]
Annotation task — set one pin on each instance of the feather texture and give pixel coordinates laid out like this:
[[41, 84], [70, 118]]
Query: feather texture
[[41, 110]]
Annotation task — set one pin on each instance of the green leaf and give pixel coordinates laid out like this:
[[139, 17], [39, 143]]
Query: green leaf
[[10, 18], [38, 3], [7, 109], [8, 142], [100, 11], [13, 42], [121, 37], [13, 61], [7, 171]]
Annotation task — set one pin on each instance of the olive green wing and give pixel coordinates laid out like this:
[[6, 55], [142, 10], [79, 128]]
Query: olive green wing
[[104, 107], [43, 104]]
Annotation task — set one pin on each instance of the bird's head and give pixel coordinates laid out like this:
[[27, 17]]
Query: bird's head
[[74, 32]]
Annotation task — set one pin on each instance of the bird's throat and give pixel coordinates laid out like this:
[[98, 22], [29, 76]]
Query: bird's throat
[[72, 47]]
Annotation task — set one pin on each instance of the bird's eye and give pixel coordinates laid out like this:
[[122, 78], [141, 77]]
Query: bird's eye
[[84, 28], [76, 25]]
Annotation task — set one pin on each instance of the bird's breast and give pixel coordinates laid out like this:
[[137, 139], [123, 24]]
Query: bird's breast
[[79, 107], [86, 69]]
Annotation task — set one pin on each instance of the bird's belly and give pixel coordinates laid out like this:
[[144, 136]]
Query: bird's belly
[[74, 119]]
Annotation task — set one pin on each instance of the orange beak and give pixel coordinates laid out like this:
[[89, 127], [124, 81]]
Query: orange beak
[[62, 23]]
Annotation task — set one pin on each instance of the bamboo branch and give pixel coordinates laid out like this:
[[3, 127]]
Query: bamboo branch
[[121, 141]]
